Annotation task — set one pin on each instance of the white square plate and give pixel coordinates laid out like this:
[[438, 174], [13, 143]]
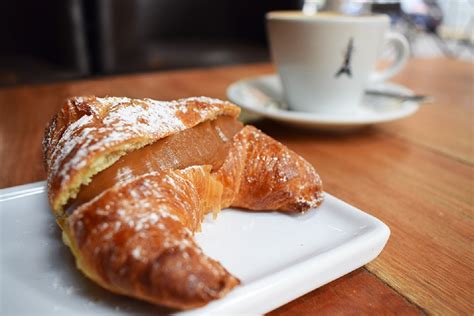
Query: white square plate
[[277, 257]]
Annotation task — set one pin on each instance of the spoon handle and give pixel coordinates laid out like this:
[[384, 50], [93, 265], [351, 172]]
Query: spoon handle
[[404, 97]]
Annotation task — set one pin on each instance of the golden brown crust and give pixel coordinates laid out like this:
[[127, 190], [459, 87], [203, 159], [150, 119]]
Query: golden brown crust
[[206, 143], [136, 239], [263, 174], [89, 134]]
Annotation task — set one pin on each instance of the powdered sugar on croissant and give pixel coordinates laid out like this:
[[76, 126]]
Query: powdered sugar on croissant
[[136, 239], [263, 174], [89, 134], [131, 180]]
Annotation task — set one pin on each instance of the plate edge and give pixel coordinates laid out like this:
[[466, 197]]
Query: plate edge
[[22, 190]]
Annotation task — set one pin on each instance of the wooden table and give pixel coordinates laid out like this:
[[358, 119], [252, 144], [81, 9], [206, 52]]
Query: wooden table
[[416, 175]]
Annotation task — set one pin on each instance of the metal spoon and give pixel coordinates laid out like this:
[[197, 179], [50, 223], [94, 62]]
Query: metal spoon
[[402, 97]]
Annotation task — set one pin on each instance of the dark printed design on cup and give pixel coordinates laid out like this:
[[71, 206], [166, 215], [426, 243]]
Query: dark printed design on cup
[[346, 65]]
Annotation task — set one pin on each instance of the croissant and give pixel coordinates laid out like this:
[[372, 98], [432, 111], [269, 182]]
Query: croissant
[[130, 181]]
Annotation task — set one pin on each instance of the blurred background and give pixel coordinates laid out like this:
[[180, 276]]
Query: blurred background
[[55, 40]]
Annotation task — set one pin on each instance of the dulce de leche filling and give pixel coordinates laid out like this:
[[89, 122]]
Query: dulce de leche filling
[[204, 144]]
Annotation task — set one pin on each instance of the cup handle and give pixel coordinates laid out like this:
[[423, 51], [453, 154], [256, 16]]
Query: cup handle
[[402, 49]]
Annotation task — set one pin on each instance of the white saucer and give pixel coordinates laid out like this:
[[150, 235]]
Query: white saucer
[[263, 96]]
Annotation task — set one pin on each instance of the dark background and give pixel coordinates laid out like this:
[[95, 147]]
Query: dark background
[[54, 40]]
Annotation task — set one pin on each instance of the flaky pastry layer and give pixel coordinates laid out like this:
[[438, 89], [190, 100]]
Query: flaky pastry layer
[[136, 237], [90, 133]]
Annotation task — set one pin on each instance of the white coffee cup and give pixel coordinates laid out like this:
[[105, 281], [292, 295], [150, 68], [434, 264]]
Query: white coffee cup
[[325, 61]]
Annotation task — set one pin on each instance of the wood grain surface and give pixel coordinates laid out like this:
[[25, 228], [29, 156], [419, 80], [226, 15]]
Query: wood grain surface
[[358, 293], [415, 174]]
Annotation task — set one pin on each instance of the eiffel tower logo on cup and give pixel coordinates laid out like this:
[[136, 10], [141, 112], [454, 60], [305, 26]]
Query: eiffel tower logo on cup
[[346, 65]]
